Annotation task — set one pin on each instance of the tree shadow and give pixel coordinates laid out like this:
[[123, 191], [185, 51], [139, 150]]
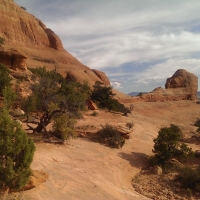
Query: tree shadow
[[195, 139], [138, 160]]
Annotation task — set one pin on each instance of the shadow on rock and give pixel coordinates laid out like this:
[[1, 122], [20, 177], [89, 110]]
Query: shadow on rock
[[138, 160]]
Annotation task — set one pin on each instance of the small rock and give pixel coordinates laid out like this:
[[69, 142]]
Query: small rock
[[157, 170]]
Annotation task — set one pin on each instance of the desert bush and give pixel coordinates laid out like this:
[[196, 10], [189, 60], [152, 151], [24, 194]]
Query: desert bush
[[95, 113], [197, 123], [129, 125], [63, 127], [167, 145], [16, 153], [41, 72], [8, 97], [190, 178], [110, 135], [5, 80], [2, 41], [104, 97]]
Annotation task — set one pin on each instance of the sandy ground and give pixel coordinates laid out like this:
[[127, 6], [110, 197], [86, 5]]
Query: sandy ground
[[86, 170]]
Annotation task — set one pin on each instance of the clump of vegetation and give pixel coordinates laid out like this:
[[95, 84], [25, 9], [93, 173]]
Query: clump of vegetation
[[63, 127], [5, 80], [167, 146], [190, 178], [111, 136], [9, 96], [41, 72], [95, 113], [129, 125], [197, 123], [58, 101], [23, 7], [104, 97], [16, 153], [2, 41]]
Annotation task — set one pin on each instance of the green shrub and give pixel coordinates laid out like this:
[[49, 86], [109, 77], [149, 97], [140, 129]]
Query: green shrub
[[95, 113], [8, 97], [197, 123], [63, 127], [5, 80], [16, 153], [167, 145], [104, 97], [2, 41], [110, 135], [190, 178], [41, 72]]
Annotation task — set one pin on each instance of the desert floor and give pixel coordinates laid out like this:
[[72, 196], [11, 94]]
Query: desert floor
[[86, 170]]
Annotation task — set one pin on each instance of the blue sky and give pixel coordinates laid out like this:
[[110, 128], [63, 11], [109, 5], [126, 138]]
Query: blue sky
[[137, 43]]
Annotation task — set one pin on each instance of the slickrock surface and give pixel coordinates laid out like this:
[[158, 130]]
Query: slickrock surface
[[87, 170]]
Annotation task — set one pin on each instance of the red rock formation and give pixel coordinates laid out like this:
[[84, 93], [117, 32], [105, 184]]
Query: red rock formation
[[102, 76], [185, 80], [13, 58], [24, 32], [182, 85], [21, 28], [91, 105]]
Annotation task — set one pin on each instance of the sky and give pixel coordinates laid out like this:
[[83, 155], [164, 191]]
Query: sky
[[137, 43]]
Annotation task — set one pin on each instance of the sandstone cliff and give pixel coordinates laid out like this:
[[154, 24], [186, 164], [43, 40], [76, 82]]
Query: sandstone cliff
[[41, 46]]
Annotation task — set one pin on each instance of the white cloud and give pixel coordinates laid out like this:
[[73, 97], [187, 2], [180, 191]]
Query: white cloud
[[109, 34], [116, 84]]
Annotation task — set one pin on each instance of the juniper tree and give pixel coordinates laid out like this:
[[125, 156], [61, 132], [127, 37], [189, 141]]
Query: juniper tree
[[5, 79], [16, 153]]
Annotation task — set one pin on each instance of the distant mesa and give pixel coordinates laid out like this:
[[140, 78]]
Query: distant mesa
[[182, 85], [136, 93]]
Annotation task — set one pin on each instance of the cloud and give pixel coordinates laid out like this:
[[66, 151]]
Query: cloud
[[138, 43], [116, 84]]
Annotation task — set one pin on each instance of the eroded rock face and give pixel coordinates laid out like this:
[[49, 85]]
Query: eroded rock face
[[184, 80], [20, 27], [102, 76], [13, 58], [22, 31]]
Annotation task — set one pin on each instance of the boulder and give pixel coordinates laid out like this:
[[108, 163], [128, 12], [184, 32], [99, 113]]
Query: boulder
[[157, 170], [17, 112], [184, 80], [182, 85], [91, 105]]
